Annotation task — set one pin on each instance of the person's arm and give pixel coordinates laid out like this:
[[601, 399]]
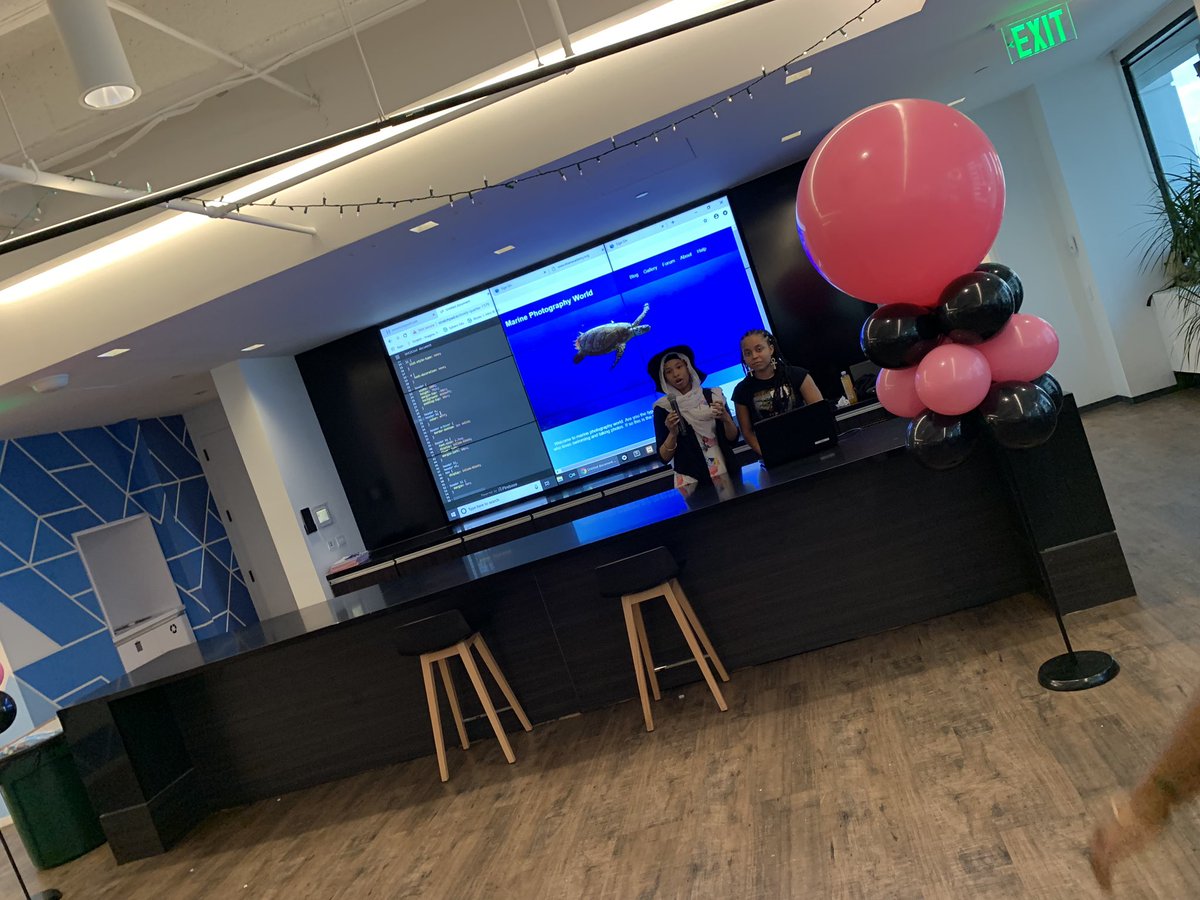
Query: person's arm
[[665, 434], [1174, 778], [743, 414], [721, 414], [809, 391], [731, 429]]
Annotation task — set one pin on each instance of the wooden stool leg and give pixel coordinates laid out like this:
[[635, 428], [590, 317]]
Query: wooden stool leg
[[638, 666], [646, 657], [464, 650], [686, 627], [444, 668], [490, 661], [700, 632], [435, 716]]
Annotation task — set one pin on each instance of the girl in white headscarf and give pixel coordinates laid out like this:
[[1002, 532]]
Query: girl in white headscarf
[[693, 428]]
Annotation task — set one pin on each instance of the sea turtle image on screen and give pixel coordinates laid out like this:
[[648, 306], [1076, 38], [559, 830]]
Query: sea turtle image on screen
[[607, 338]]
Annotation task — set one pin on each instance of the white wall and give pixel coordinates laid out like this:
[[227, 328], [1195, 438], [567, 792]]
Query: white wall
[[241, 514], [1079, 178], [288, 462], [1036, 242], [1107, 176]]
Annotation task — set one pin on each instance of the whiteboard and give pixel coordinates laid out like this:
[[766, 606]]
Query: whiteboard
[[128, 571]]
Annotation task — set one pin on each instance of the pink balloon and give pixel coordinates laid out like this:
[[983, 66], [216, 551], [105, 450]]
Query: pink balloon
[[1024, 349], [899, 200], [897, 391], [953, 379]]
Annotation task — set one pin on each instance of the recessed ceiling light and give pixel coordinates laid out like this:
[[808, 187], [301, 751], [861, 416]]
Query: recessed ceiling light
[[504, 249], [424, 226], [50, 383], [794, 134], [115, 351], [958, 101], [642, 196], [252, 347], [796, 76]]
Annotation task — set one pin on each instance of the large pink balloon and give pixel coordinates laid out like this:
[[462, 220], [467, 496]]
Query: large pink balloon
[[897, 391], [899, 200], [1024, 349], [953, 379]]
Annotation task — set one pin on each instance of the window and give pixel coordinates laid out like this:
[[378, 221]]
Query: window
[[1164, 77]]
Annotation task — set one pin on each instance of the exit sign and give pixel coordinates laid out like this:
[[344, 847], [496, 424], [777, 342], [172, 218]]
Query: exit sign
[[1036, 33]]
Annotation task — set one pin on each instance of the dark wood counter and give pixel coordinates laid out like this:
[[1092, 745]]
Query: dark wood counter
[[828, 549]]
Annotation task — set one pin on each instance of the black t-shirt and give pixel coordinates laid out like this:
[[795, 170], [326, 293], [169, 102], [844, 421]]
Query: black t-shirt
[[772, 396]]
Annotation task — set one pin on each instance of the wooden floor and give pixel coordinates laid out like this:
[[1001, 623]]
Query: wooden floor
[[925, 762]]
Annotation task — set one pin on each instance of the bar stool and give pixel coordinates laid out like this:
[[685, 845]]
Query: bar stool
[[647, 576], [437, 639]]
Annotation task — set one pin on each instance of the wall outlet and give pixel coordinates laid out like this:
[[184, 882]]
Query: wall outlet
[[331, 544]]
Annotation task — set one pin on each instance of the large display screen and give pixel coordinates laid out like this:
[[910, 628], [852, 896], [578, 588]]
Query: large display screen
[[541, 380]]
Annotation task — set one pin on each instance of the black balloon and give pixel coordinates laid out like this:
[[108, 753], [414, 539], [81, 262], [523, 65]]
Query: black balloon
[[8, 711], [898, 336], [941, 442], [1010, 278], [1018, 414], [974, 307], [1050, 385]]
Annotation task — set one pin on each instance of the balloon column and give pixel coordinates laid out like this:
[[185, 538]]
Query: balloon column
[[898, 206]]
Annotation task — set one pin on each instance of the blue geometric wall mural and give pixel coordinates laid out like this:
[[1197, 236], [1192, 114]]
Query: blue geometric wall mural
[[54, 485]]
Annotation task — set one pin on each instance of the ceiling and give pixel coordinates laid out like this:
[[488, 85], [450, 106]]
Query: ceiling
[[190, 304]]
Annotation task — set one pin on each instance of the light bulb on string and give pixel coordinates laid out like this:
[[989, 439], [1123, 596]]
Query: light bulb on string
[[716, 115]]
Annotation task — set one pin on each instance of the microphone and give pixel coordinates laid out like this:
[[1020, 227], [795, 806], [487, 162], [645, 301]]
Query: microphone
[[683, 425]]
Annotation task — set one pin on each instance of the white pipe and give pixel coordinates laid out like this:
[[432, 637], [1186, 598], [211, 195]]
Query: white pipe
[[564, 36], [209, 49], [250, 220], [69, 184]]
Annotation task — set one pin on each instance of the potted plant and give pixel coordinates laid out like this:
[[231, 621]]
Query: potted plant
[[1172, 245]]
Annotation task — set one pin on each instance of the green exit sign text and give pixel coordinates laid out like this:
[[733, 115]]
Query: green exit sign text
[[1036, 33]]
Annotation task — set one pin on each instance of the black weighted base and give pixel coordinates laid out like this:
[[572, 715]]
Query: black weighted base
[[51, 894], [1078, 671]]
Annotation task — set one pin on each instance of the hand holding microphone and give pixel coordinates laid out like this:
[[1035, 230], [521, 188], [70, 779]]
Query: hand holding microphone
[[680, 421]]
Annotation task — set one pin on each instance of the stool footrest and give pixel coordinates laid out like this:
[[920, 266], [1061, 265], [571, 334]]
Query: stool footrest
[[465, 650], [703, 652]]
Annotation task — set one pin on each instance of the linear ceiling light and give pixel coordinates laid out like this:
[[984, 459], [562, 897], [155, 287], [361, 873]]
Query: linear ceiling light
[[88, 33]]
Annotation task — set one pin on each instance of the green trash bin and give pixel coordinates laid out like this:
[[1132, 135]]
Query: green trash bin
[[47, 800]]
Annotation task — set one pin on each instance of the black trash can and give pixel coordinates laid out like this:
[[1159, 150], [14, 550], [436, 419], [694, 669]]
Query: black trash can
[[47, 800]]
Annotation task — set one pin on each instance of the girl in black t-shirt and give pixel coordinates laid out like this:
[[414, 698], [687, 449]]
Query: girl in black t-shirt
[[771, 386]]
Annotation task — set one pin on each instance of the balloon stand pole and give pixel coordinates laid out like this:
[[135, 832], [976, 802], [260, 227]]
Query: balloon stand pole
[[41, 895], [1075, 671]]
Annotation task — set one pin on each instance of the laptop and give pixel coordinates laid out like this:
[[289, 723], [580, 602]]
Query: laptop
[[797, 433]]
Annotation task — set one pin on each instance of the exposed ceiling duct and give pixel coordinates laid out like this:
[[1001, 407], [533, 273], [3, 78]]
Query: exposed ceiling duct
[[88, 33]]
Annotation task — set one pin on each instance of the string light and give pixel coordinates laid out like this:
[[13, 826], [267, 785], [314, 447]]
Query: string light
[[614, 145]]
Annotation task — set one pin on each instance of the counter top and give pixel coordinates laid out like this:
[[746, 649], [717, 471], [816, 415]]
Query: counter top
[[854, 447]]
